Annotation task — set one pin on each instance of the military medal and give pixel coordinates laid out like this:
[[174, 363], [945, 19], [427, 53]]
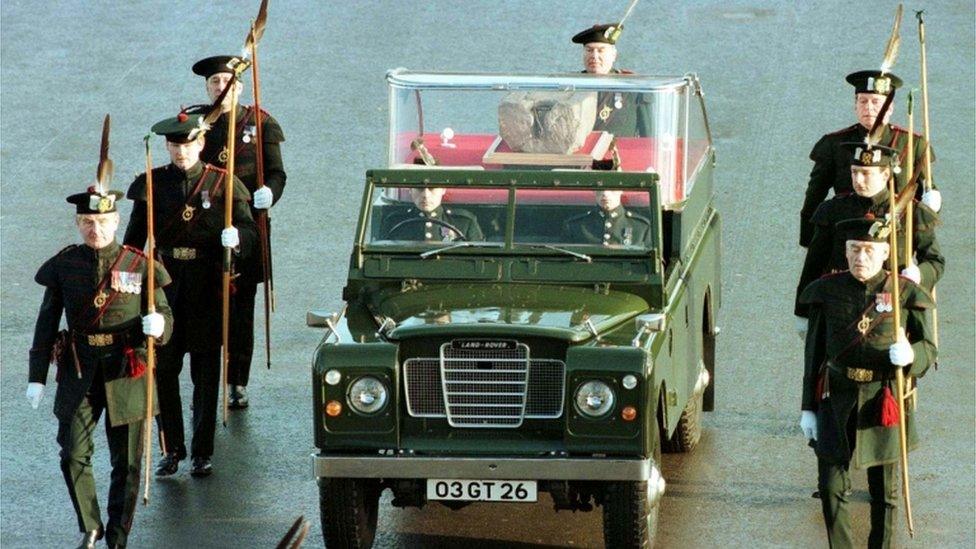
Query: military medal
[[127, 282], [188, 212], [628, 236], [447, 235], [205, 198], [864, 325], [882, 302], [248, 132], [618, 101], [605, 112], [223, 155], [100, 298]]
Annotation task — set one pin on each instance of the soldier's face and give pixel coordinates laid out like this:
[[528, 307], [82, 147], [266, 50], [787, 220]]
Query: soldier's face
[[865, 259], [97, 230], [608, 200], [185, 155], [867, 106], [598, 58], [216, 84], [869, 180], [427, 199]]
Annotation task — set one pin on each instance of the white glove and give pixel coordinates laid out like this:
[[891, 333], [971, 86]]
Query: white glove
[[801, 326], [901, 353], [35, 392], [263, 198], [912, 273], [153, 324], [808, 424], [932, 199], [230, 238]]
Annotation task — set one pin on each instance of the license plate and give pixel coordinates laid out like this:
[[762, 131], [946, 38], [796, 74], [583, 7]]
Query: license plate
[[481, 490]]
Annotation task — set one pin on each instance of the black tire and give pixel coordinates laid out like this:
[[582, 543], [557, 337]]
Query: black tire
[[348, 509], [629, 518], [688, 432], [708, 356]]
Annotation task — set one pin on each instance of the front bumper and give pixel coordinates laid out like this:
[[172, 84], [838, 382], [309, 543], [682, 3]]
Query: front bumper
[[485, 468]]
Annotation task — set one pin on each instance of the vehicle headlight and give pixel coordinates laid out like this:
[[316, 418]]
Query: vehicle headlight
[[367, 395], [594, 398]]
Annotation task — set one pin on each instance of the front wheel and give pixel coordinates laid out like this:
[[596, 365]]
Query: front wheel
[[630, 515], [349, 508], [688, 432]]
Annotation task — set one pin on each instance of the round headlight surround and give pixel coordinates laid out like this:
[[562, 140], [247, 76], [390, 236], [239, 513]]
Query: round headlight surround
[[594, 399], [367, 395]]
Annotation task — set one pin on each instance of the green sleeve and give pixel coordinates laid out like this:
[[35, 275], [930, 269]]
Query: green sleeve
[[45, 333], [242, 220], [920, 335], [813, 356], [820, 183]]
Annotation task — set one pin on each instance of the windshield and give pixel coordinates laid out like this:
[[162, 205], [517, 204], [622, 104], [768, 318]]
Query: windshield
[[551, 122], [447, 218]]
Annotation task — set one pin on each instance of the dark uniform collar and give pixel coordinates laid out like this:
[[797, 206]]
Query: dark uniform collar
[[195, 170], [615, 213], [878, 199], [436, 213], [872, 283], [109, 250]]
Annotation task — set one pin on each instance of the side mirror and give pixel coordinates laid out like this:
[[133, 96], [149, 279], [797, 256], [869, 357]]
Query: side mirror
[[651, 322], [320, 319]]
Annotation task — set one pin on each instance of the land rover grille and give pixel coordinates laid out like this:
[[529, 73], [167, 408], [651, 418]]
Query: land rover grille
[[484, 386]]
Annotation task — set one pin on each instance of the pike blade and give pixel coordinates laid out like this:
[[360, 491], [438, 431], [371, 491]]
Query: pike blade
[[103, 175], [891, 49], [874, 136], [215, 110], [284, 543], [257, 28]]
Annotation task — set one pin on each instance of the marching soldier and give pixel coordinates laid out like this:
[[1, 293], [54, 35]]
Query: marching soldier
[[831, 168], [848, 411], [622, 114], [98, 286], [217, 72], [870, 173], [429, 221], [188, 204], [609, 224]]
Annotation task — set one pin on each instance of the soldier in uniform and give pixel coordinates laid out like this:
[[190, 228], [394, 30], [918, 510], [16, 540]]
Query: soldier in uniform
[[848, 411], [870, 173], [217, 72], [622, 114], [100, 358], [609, 224], [429, 221], [832, 161], [188, 205]]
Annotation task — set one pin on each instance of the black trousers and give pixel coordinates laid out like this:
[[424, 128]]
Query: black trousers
[[205, 374], [241, 340], [125, 450]]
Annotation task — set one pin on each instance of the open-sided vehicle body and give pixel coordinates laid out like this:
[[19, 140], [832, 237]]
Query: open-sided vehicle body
[[497, 352]]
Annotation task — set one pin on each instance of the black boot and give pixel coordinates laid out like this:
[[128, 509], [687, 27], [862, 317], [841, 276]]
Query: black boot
[[238, 397], [202, 467], [90, 538], [168, 465]]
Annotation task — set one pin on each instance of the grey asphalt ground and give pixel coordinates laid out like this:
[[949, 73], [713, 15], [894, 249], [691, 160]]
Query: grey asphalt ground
[[773, 75]]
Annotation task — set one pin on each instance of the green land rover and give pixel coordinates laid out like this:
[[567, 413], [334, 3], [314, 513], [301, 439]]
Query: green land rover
[[530, 305]]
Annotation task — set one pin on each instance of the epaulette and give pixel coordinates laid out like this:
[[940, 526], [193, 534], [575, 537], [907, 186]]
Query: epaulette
[[899, 129], [831, 275], [212, 168], [67, 248], [579, 216], [637, 217], [843, 130]]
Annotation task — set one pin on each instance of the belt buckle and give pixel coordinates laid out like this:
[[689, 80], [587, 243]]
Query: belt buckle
[[862, 375], [185, 253], [100, 340]]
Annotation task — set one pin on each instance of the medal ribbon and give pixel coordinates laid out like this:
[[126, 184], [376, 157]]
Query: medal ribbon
[[134, 261]]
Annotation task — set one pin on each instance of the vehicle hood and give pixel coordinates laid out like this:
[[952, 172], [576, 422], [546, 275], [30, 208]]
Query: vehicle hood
[[493, 310]]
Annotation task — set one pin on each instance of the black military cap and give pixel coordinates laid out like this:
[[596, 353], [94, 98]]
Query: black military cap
[[95, 202], [213, 65], [181, 128], [606, 34], [874, 82], [864, 229], [877, 155]]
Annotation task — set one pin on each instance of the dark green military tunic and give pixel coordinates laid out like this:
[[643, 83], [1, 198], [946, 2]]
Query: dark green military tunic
[[617, 226], [832, 168], [250, 269], [189, 217], [94, 374], [827, 250], [622, 114], [844, 379], [439, 225]]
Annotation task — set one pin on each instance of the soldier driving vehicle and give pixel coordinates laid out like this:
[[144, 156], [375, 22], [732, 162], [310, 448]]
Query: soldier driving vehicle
[[528, 359], [189, 210], [428, 220], [100, 358]]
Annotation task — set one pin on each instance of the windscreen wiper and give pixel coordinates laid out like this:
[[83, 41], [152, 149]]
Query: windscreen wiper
[[577, 255], [462, 244]]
